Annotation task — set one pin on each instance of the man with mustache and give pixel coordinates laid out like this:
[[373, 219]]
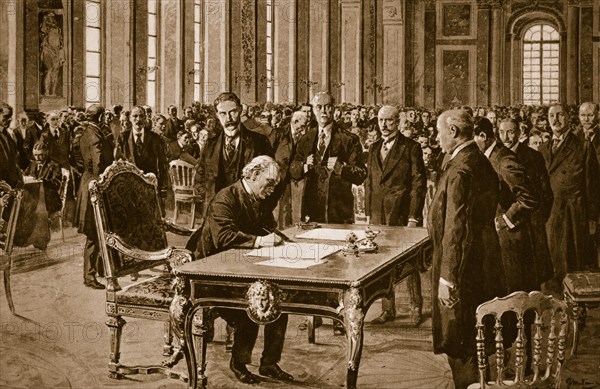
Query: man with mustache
[[229, 150], [575, 182], [331, 160], [238, 217]]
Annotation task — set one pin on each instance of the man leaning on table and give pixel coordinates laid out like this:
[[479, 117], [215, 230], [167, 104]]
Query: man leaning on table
[[239, 217]]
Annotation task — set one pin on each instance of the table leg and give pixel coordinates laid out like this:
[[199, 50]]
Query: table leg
[[311, 329], [354, 321], [200, 330]]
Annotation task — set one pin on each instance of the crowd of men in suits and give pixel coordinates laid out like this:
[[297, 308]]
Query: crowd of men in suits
[[510, 191]]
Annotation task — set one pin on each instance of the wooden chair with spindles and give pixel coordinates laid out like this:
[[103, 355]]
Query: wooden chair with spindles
[[182, 179], [550, 328]]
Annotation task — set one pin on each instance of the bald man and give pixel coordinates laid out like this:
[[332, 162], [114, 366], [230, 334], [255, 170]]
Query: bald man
[[331, 160], [467, 268], [395, 190]]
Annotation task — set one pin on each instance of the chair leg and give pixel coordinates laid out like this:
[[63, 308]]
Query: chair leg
[[60, 223], [7, 290], [168, 338], [115, 325], [175, 212], [193, 216]]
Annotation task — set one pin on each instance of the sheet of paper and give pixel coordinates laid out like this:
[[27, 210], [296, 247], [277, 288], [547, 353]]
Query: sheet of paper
[[330, 234], [293, 251], [299, 264]]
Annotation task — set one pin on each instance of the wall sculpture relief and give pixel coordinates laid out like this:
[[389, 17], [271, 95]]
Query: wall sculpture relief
[[52, 52]]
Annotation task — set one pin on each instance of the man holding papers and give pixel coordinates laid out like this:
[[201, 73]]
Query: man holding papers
[[331, 160], [238, 217]]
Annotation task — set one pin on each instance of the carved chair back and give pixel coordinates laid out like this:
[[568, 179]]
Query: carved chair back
[[126, 205], [182, 176], [10, 204], [549, 329]]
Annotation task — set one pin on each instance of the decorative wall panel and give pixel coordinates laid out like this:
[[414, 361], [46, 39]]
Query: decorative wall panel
[[456, 73]]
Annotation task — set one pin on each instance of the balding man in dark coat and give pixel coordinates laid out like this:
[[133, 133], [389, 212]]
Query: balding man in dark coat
[[467, 268]]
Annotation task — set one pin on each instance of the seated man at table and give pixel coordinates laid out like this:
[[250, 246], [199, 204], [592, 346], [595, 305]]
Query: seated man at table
[[45, 169], [238, 217]]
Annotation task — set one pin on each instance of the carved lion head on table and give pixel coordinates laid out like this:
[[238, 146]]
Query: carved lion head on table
[[264, 299]]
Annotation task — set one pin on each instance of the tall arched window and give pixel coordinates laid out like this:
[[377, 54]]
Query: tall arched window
[[93, 52], [540, 65]]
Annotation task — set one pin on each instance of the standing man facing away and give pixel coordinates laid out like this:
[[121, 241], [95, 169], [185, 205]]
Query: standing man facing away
[[467, 268], [97, 155], [237, 217], [331, 160], [395, 194]]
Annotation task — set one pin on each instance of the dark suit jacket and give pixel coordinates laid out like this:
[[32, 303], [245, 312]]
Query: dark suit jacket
[[233, 220], [595, 141], [172, 127], [395, 188], [9, 171], [152, 158], [97, 155], [575, 182], [26, 145], [465, 248], [317, 203], [535, 168], [517, 200], [210, 176], [59, 149], [284, 155]]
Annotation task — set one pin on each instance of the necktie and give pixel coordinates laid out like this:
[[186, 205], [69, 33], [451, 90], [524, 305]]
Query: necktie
[[588, 135], [138, 141], [321, 146], [229, 146], [56, 135], [555, 143]]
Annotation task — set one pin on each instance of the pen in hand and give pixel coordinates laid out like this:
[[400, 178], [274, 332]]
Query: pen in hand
[[278, 233]]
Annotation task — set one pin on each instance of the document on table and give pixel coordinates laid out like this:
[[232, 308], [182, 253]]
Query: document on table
[[330, 234], [295, 255]]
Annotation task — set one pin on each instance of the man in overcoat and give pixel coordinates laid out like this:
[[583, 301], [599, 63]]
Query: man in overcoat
[[97, 155], [467, 268], [516, 202], [575, 182]]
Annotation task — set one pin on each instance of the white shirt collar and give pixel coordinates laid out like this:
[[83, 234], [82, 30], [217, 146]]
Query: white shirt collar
[[459, 148], [326, 129], [138, 133], [489, 150]]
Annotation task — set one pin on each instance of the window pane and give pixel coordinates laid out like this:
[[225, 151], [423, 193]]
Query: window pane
[[152, 46], [92, 64], [197, 13], [151, 93], [92, 39], [92, 90], [152, 25], [152, 6], [92, 14]]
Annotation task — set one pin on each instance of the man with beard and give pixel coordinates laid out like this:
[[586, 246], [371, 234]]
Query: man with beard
[[535, 168], [467, 268], [575, 182], [331, 160]]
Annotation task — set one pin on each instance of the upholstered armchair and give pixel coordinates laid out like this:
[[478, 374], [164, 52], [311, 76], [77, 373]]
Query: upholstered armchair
[[132, 237]]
